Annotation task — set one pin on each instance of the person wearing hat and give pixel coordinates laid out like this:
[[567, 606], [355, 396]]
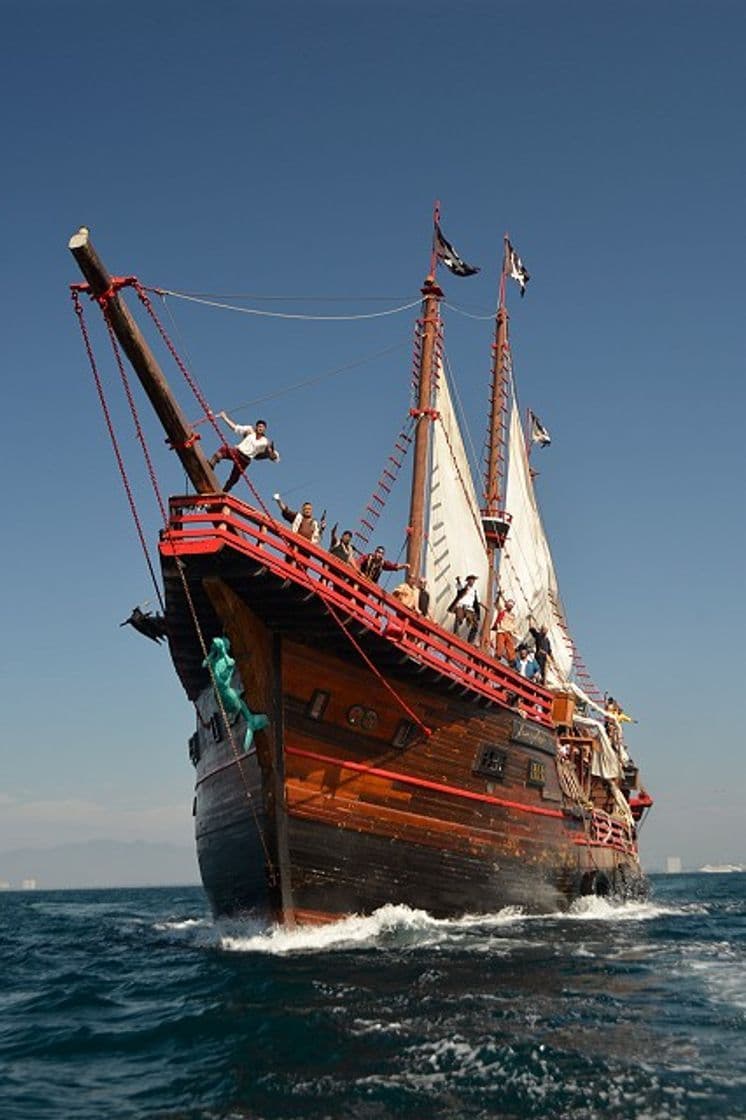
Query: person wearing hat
[[254, 444], [466, 607], [525, 663]]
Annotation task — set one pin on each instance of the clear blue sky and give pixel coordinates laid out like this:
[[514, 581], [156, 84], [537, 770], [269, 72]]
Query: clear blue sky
[[294, 149]]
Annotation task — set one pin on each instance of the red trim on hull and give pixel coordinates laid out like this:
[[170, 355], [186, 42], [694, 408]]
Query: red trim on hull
[[424, 783]]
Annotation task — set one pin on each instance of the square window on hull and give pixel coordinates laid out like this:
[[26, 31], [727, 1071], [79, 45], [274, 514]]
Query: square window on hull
[[490, 762]]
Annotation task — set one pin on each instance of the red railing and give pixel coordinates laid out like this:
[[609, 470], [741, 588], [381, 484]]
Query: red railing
[[608, 832], [202, 524]]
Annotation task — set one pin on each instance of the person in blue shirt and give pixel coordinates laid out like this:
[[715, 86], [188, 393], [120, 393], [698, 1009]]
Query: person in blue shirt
[[526, 665]]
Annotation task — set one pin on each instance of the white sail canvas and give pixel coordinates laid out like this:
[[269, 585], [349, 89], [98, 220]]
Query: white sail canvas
[[455, 543], [526, 571]]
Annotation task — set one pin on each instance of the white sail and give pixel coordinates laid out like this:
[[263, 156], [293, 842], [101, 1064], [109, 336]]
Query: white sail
[[526, 573], [455, 542]]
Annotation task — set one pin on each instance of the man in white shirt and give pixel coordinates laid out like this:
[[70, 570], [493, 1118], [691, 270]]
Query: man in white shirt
[[254, 444], [466, 607]]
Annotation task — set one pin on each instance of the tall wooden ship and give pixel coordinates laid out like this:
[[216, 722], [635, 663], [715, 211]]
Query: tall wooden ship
[[350, 751]]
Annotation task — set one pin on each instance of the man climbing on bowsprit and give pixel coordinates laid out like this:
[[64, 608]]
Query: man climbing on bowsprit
[[254, 445]]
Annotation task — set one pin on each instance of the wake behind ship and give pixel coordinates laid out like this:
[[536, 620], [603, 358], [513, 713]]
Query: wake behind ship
[[353, 747]]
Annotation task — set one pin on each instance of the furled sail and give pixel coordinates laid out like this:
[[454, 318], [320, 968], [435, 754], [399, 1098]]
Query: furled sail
[[455, 542], [526, 573]]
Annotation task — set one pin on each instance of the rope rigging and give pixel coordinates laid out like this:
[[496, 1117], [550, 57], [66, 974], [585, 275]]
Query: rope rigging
[[376, 505], [78, 308], [385, 484], [311, 380], [282, 314], [103, 301], [193, 385]]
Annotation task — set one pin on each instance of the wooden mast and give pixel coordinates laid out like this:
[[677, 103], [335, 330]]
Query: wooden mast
[[493, 480], [180, 435], [424, 415]]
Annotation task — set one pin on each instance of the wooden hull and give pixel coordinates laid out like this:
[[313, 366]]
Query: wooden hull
[[360, 823], [394, 769]]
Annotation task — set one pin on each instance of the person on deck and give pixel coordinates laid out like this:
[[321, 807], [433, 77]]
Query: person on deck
[[613, 721], [423, 599], [542, 648], [408, 594], [506, 632], [466, 607], [302, 521], [254, 444], [341, 546], [526, 665], [373, 563]]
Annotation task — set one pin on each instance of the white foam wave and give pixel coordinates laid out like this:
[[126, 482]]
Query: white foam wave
[[400, 926], [591, 908], [390, 925], [185, 923]]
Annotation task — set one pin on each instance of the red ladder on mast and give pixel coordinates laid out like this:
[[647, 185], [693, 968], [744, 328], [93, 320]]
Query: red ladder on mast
[[375, 506]]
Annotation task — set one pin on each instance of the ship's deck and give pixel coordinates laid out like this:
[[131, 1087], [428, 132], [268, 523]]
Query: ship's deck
[[299, 590]]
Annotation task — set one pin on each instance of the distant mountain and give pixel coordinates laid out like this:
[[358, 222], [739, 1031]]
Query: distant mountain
[[100, 863]]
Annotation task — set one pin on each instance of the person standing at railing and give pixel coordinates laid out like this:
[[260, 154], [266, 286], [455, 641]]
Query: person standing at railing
[[373, 563], [302, 521], [423, 598], [542, 646], [506, 632], [341, 547], [526, 665], [466, 607], [408, 594], [254, 444]]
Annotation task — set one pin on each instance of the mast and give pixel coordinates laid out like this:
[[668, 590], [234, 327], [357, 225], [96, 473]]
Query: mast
[[495, 448], [424, 416], [180, 435]]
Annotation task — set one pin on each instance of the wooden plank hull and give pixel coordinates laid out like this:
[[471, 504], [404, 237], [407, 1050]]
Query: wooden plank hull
[[400, 764], [370, 810]]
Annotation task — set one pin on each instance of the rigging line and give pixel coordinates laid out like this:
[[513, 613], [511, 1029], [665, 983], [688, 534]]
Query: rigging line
[[465, 423], [193, 384], [78, 308], [457, 471], [426, 731], [180, 338], [279, 299], [560, 616], [311, 380], [285, 314], [468, 314], [460, 477], [134, 413], [239, 759]]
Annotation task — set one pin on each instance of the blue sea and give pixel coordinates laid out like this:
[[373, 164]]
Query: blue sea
[[137, 1004]]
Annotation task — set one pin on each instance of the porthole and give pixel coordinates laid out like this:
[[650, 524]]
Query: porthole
[[364, 718], [369, 721]]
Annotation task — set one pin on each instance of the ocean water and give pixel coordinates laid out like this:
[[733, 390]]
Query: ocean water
[[135, 1004]]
